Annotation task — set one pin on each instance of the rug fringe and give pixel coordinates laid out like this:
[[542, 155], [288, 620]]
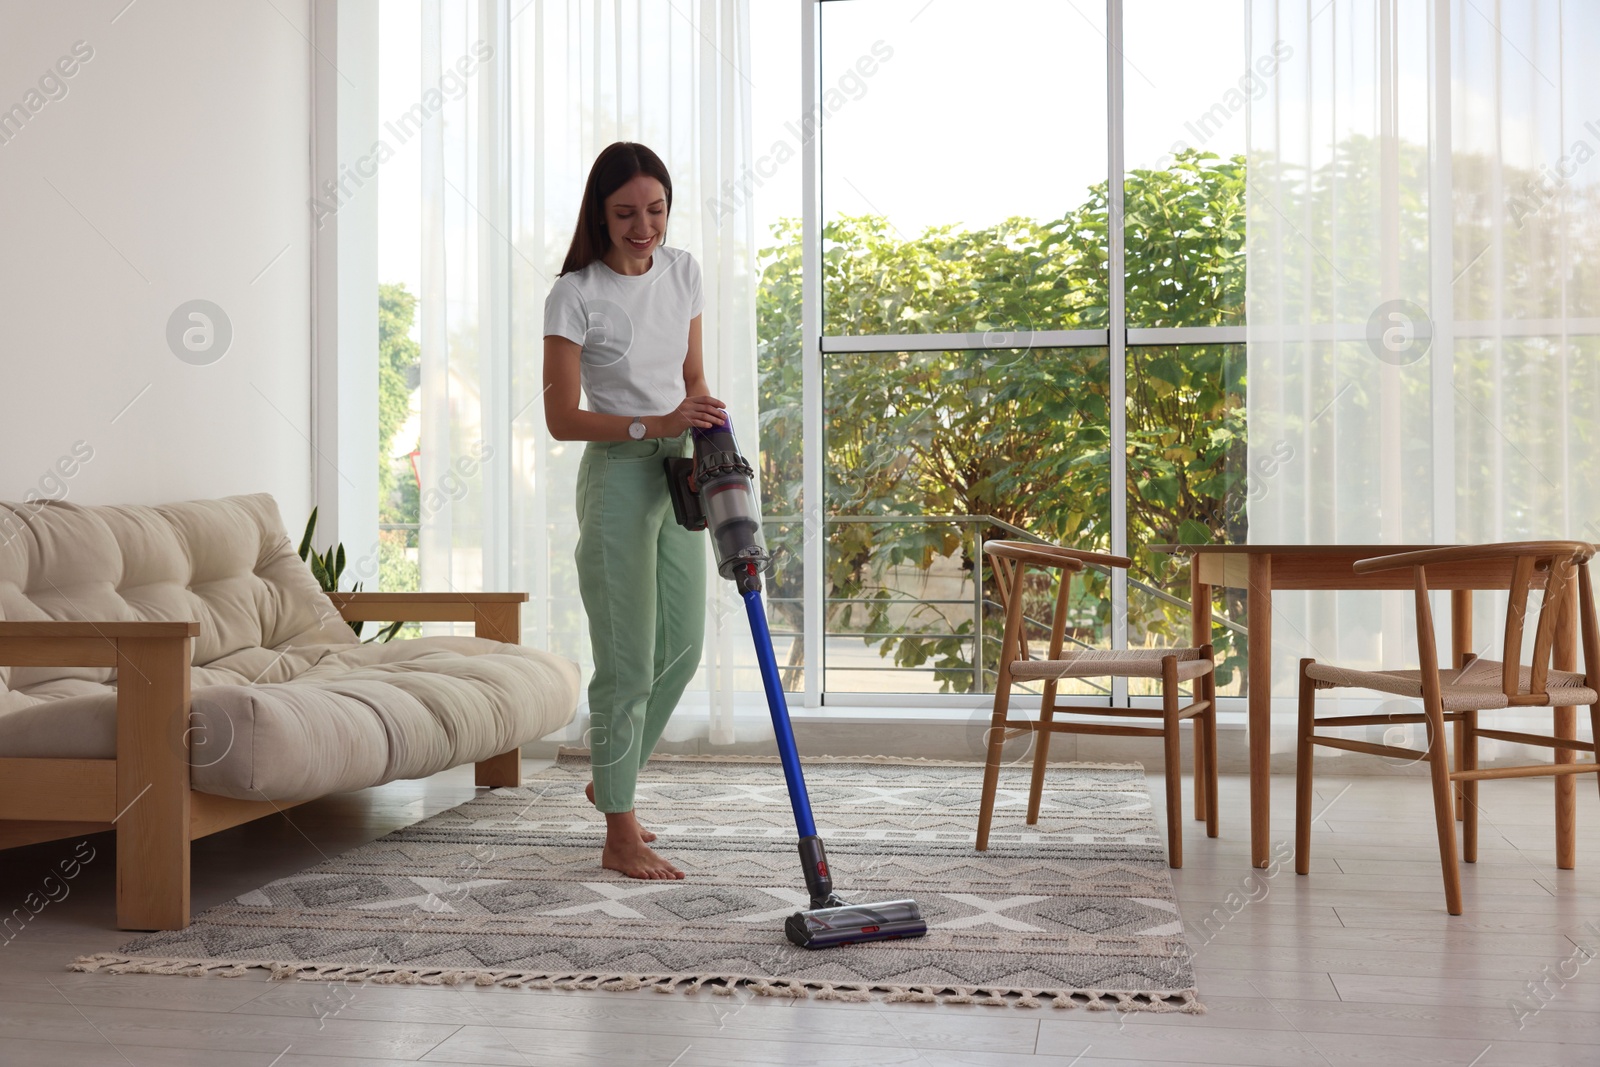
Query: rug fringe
[[726, 985]]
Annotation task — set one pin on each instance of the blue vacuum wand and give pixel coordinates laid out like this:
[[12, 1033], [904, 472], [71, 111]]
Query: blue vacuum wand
[[714, 491]]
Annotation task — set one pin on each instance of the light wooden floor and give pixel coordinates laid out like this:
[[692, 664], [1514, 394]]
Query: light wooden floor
[[1356, 964]]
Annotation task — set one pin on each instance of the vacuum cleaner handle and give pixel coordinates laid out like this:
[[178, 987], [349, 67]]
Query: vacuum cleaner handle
[[813, 859], [788, 754]]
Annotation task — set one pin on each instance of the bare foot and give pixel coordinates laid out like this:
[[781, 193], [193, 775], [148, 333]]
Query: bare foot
[[624, 851], [644, 835]]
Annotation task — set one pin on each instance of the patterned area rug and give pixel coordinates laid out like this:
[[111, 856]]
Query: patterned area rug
[[507, 890]]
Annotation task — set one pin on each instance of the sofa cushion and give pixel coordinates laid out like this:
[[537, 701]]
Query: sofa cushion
[[287, 705], [226, 563]]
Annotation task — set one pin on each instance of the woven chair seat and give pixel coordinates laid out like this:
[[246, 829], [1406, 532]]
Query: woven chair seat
[[1475, 688], [1114, 662]]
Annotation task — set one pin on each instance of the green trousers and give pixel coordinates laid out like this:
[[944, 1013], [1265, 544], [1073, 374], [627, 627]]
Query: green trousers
[[643, 582]]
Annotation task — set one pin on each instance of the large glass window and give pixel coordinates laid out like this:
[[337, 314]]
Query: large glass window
[[964, 350], [778, 132], [400, 313], [1188, 483], [968, 213], [1001, 293], [979, 206], [929, 454], [1187, 83], [960, 154]]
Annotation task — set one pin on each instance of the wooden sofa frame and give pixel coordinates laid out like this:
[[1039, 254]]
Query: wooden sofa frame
[[143, 794]]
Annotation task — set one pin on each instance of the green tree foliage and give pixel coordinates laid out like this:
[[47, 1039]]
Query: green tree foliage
[[1023, 436], [399, 360], [399, 365]]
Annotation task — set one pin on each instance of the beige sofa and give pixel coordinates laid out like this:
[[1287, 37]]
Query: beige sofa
[[173, 671]]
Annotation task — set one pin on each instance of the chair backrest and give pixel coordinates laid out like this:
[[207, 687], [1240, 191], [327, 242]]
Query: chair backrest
[[1557, 572], [1010, 558], [1561, 568]]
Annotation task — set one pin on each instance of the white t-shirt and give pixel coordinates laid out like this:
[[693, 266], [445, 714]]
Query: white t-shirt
[[634, 331]]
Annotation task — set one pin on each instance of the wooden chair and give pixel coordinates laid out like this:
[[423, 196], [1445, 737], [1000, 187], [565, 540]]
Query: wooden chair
[[1458, 694], [1172, 665]]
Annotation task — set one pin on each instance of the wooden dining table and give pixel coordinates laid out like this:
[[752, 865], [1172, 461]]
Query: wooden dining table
[[1261, 570]]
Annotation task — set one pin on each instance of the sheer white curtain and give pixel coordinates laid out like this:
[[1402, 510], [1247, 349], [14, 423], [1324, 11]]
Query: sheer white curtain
[[503, 172], [1424, 337]]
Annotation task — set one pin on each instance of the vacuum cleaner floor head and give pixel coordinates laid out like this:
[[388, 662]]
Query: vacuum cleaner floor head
[[852, 923]]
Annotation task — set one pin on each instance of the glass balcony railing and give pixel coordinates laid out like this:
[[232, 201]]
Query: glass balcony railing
[[940, 630]]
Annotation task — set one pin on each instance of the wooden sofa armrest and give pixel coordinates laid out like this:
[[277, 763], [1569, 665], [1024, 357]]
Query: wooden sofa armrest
[[47, 643], [54, 628], [148, 804], [496, 616]]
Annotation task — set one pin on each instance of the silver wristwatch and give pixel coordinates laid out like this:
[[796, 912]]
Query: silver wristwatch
[[636, 428]]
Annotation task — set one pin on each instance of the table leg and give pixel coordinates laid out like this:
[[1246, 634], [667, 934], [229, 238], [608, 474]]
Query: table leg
[[1200, 635], [1260, 607], [1460, 649], [1566, 724]]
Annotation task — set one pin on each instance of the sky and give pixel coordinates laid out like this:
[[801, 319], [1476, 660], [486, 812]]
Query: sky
[[974, 119], [400, 178]]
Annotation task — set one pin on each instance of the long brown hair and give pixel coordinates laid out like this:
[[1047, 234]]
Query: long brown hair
[[615, 167]]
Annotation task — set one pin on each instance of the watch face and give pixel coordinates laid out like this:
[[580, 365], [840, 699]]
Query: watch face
[[636, 430]]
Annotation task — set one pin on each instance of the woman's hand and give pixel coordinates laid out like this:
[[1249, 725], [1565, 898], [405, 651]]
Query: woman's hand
[[702, 411]]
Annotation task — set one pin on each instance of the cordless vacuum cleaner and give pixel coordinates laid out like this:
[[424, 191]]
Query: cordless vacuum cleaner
[[714, 490]]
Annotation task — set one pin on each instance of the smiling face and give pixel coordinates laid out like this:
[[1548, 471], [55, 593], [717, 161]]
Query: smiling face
[[636, 216]]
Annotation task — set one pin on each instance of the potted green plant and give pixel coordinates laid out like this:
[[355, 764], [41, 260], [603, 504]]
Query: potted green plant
[[327, 568]]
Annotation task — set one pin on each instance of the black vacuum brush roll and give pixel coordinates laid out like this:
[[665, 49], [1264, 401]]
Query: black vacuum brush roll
[[829, 927]]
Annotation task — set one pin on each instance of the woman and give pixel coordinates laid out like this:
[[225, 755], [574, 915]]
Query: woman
[[622, 323]]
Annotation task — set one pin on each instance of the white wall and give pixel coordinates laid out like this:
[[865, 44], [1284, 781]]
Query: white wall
[[175, 167]]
